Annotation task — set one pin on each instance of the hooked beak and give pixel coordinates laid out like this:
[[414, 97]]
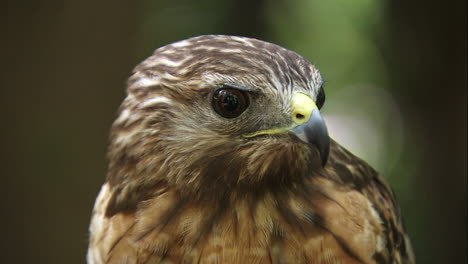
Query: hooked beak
[[308, 125], [314, 132], [311, 128]]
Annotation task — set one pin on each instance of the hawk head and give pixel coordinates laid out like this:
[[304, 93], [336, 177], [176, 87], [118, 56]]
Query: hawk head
[[213, 114]]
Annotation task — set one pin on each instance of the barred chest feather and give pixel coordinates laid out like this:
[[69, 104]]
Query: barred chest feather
[[337, 227]]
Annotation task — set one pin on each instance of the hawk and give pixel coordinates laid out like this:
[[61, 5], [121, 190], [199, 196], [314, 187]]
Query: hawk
[[219, 154]]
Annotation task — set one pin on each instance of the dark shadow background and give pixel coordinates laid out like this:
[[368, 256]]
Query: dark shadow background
[[64, 69]]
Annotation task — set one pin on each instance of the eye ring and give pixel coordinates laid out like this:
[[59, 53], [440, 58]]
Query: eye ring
[[229, 102]]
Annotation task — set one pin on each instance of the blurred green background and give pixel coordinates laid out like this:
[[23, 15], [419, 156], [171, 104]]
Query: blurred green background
[[396, 82]]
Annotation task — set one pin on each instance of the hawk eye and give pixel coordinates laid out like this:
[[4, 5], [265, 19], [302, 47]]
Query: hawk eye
[[230, 102], [320, 98]]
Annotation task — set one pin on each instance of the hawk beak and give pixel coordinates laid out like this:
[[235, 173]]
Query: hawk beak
[[310, 126]]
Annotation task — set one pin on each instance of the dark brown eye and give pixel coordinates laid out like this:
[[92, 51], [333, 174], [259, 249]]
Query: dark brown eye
[[229, 102], [320, 98]]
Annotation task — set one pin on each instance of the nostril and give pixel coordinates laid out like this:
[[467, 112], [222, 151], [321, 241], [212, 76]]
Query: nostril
[[300, 116]]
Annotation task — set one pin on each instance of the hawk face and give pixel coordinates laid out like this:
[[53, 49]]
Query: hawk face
[[214, 113]]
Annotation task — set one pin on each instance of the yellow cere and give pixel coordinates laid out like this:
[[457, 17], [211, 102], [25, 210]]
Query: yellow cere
[[302, 106]]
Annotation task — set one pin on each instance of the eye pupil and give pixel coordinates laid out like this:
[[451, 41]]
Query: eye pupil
[[230, 102]]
